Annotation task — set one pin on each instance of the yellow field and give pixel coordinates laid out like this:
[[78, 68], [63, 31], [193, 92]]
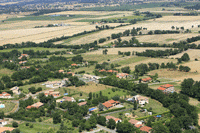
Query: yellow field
[[194, 65], [165, 38], [136, 49], [193, 53]]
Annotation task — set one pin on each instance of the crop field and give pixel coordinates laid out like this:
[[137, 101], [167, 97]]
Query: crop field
[[177, 75], [193, 53], [126, 49], [165, 38]]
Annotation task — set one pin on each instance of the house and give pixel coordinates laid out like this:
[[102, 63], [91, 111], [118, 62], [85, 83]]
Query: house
[[4, 129], [23, 55], [73, 74], [65, 80], [3, 123], [65, 98], [69, 53], [15, 90], [22, 62], [25, 67], [35, 105], [122, 75], [61, 71], [103, 70], [115, 119], [74, 65], [111, 103], [141, 99], [167, 88], [146, 129], [82, 103], [5, 95], [135, 122], [51, 84], [55, 94], [4, 60], [147, 79], [112, 71]]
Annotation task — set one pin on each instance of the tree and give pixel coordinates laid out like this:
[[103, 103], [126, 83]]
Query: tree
[[126, 69], [173, 27], [111, 124], [135, 105], [56, 118], [101, 120], [6, 79], [90, 96], [2, 115], [15, 124], [160, 128], [101, 107], [185, 57]]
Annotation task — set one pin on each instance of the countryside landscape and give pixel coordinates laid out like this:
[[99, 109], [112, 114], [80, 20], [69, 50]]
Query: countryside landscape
[[99, 66]]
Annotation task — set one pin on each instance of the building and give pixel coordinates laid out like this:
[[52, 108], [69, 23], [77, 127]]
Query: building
[[122, 75], [167, 88], [5, 95], [135, 122], [61, 71], [22, 62], [115, 119], [82, 103], [146, 129], [73, 74], [65, 98], [15, 90], [25, 67], [74, 65], [147, 80], [111, 103], [55, 94], [3, 123], [23, 55], [35, 105], [51, 84], [4, 129], [112, 71], [141, 99]]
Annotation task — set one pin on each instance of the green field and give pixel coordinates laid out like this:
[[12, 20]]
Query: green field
[[130, 60], [5, 71], [109, 93], [8, 106]]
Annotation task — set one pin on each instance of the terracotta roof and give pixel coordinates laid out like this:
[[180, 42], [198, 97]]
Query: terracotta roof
[[107, 104], [68, 98], [82, 103], [145, 128], [102, 70], [166, 85], [138, 125], [133, 121], [28, 107], [7, 94], [60, 71], [161, 88], [112, 101], [4, 92], [37, 105], [3, 129], [147, 79], [112, 71], [111, 117], [24, 54], [73, 64]]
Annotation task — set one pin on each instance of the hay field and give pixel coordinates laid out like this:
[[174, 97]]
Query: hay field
[[91, 87], [136, 49], [176, 75], [193, 53], [194, 65], [146, 60], [165, 38]]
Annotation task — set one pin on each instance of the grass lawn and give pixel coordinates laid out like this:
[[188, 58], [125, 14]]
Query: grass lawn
[[130, 60], [8, 106], [6, 71], [119, 92], [177, 86]]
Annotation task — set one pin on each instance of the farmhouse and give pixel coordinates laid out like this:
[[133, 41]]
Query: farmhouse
[[69, 99], [115, 119], [122, 75], [2, 123], [82, 103], [103, 70], [22, 62], [35, 105], [4, 129], [147, 80], [111, 103], [112, 71], [55, 94], [167, 88], [74, 65], [135, 122], [141, 99], [23, 55], [146, 129], [15, 90], [5, 95], [61, 71]]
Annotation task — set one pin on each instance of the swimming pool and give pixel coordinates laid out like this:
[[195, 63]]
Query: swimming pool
[[2, 106]]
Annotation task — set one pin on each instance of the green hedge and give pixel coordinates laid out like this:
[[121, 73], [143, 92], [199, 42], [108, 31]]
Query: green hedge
[[145, 117], [111, 110]]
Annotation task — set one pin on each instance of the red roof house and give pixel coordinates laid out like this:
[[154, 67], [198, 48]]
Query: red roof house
[[145, 129]]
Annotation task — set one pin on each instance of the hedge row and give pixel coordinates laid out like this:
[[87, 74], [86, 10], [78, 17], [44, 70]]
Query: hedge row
[[111, 110]]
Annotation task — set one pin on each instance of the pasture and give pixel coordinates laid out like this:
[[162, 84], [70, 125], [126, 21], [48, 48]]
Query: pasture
[[193, 53]]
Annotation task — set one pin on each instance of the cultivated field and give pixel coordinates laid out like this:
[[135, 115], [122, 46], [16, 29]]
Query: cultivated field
[[165, 38], [135, 49], [193, 53]]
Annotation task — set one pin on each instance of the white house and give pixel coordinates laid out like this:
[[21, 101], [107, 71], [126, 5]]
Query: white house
[[115, 119], [15, 90], [5, 95], [3, 123], [141, 99]]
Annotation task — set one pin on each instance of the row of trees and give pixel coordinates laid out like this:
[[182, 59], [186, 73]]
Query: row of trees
[[185, 114], [163, 32]]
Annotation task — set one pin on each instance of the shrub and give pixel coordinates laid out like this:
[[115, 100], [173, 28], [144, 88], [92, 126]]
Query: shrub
[[31, 126], [15, 124], [27, 124]]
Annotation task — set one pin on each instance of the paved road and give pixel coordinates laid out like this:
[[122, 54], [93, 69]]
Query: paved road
[[116, 112], [101, 128]]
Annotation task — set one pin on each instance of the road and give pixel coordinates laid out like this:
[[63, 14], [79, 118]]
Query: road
[[116, 112], [102, 128]]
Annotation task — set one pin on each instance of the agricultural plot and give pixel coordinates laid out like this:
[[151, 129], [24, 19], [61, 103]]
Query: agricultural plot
[[165, 38], [193, 53], [112, 51]]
